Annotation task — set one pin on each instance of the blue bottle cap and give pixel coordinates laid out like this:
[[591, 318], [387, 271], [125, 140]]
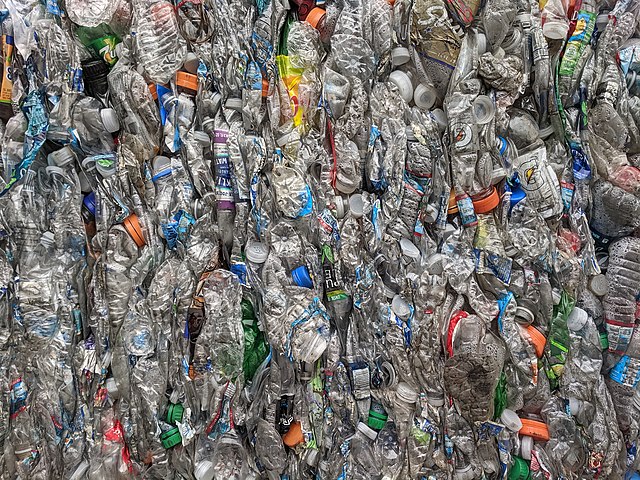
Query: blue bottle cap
[[89, 201], [301, 276], [517, 194], [631, 475]]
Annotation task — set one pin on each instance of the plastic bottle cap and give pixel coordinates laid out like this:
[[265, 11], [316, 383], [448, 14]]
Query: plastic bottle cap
[[405, 393], [132, 226], [256, 252], [519, 470], [174, 413], [294, 436], [631, 78], [599, 285], [555, 293], [425, 96], [555, 30], [61, 157], [534, 428], [204, 470], [511, 420], [441, 118], [546, 132], [517, 195], [312, 457], [188, 81], [171, 438], [409, 249], [191, 63], [301, 276], [602, 20], [400, 56], [464, 473], [202, 138], [368, 432], [89, 201], [341, 206], [435, 264], [400, 307], [435, 399], [482, 43], [161, 166], [483, 109], [526, 445], [538, 340], [577, 319], [356, 205], [234, 104], [344, 184], [575, 406], [153, 90], [112, 387], [110, 120], [403, 82], [315, 17], [488, 203], [524, 316], [85, 186], [314, 350]]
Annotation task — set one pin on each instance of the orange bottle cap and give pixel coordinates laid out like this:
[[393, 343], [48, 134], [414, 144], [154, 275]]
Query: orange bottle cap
[[537, 338], [534, 429], [187, 80], [132, 226], [153, 90], [488, 203], [294, 436], [265, 87], [315, 16], [453, 205]]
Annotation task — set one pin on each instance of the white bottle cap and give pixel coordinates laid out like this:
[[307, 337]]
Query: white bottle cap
[[430, 213], [344, 184], [191, 63], [341, 206], [599, 285], [110, 120], [406, 393], [370, 433], [61, 157], [161, 164], [577, 319], [575, 406], [602, 20], [204, 470], [546, 131], [409, 249], [425, 96], [400, 56], [555, 30], [482, 43], [464, 473], [256, 252], [356, 205], [112, 387], [234, 104], [202, 138], [400, 307], [511, 420], [435, 399], [526, 445], [434, 264], [440, 118], [483, 109], [403, 82]]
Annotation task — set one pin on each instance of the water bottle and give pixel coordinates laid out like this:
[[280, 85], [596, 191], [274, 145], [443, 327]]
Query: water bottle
[[620, 303], [158, 41], [362, 461]]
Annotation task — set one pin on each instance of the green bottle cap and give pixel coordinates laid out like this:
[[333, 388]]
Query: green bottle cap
[[376, 423], [519, 470], [604, 341], [174, 413], [171, 438]]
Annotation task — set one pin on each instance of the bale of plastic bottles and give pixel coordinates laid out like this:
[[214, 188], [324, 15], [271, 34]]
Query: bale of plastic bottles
[[320, 239]]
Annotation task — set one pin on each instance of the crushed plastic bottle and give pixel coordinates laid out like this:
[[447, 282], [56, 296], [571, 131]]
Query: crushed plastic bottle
[[320, 239]]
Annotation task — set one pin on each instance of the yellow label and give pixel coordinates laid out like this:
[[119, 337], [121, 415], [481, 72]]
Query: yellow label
[[291, 77], [7, 79]]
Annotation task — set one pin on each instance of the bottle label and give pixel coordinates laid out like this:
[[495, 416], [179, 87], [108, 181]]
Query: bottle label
[[581, 36], [626, 372], [7, 75], [466, 211], [105, 47]]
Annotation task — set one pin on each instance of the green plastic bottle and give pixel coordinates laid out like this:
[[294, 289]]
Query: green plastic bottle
[[101, 41], [256, 348]]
